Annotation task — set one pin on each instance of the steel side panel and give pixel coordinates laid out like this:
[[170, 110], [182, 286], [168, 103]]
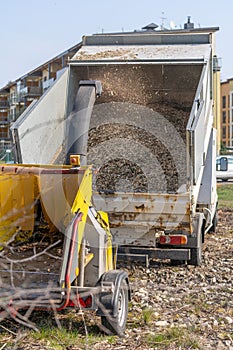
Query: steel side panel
[[208, 193], [41, 128], [154, 253], [148, 38], [133, 215]]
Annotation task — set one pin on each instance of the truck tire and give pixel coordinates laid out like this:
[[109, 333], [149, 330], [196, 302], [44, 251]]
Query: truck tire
[[177, 262], [196, 257], [214, 222], [116, 324], [196, 250]]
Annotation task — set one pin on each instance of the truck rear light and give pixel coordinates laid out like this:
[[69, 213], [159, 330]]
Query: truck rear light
[[173, 240]]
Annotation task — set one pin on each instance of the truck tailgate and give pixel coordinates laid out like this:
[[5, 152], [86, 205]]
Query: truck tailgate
[[135, 215]]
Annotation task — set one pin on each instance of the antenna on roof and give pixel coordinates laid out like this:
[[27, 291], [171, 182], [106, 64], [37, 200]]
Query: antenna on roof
[[163, 19]]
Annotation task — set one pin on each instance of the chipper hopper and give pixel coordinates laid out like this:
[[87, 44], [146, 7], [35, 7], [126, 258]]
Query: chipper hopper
[[56, 249]]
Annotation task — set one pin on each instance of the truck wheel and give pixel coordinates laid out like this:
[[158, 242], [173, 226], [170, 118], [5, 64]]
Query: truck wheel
[[214, 222], [177, 262], [116, 325], [196, 257]]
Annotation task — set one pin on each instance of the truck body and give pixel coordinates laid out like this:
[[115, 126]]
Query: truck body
[[149, 137]]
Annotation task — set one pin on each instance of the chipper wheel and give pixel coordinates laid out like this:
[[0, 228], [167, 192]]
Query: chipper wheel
[[114, 305]]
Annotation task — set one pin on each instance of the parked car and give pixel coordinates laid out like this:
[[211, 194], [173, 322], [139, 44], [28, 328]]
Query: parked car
[[224, 167]]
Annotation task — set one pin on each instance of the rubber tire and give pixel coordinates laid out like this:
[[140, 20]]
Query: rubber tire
[[116, 325], [196, 257], [214, 223], [177, 262]]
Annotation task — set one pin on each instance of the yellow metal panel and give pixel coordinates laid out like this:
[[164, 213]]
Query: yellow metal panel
[[70, 187], [83, 198], [6, 220], [57, 193], [104, 221], [29, 198], [82, 202], [16, 204]]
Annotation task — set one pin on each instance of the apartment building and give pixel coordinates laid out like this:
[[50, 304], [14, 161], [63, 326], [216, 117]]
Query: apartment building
[[16, 96], [4, 119], [227, 114]]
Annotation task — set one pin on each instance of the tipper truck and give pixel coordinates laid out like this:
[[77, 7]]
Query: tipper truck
[[149, 136]]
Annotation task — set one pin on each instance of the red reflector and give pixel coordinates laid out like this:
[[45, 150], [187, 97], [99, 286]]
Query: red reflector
[[88, 301], [165, 240], [85, 303], [82, 303], [175, 240]]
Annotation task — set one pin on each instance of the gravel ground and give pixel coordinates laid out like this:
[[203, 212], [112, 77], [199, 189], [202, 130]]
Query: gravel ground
[[184, 307], [172, 307]]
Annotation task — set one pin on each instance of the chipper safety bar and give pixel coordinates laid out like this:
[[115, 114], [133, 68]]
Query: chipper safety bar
[[56, 249]]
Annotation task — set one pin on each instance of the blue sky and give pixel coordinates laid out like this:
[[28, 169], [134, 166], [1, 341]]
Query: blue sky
[[34, 31]]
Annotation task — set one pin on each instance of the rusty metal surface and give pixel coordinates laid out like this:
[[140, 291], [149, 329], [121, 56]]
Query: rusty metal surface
[[136, 217]]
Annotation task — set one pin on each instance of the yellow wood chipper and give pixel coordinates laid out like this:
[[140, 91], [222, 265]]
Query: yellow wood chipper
[[56, 249]]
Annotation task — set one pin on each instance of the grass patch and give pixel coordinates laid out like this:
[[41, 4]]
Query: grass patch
[[225, 196], [56, 339], [63, 339], [71, 334], [148, 314], [175, 336]]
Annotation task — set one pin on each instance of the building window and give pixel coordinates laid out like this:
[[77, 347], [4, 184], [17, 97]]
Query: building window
[[224, 102], [3, 133], [224, 132], [12, 114], [224, 117]]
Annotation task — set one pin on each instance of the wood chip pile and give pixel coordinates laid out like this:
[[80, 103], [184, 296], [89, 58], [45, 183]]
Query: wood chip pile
[[137, 135]]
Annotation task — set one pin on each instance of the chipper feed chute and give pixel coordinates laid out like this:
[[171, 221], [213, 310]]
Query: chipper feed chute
[[56, 249]]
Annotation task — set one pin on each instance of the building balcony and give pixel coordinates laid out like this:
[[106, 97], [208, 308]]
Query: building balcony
[[47, 84], [4, 136], [14, 99], [5, 144], [4, 104], [4, 121], [6, 154], [31, 91], [17, 114]]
